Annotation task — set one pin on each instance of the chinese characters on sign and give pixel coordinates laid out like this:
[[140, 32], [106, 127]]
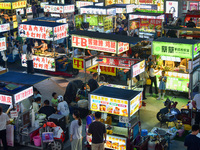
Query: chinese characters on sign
[[93, 11], [59, 8], [29, 10], [132, 16], [150, 25], [83, 3], [122, 47], [118, 62], [44, 63], [4, 99], [68, 8], [94, 44], [138, 68], [136, 103], [19, 4], [108, 23], [172, 49], [36, 32], [109, 105], [5, 5], [4, 27], [23, 94], [2, 43], [60, 31]]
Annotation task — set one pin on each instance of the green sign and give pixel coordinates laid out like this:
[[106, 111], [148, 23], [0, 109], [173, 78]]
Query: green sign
[[172, 49]]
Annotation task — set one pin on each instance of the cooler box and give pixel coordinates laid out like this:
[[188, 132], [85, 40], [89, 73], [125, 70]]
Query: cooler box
[[59, 120]]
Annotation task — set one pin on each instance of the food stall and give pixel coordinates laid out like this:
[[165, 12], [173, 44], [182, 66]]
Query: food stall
[[10, 8], [61, 11], [147, 24], [99, 18], [118, 107], [174, 56], [44, 59]]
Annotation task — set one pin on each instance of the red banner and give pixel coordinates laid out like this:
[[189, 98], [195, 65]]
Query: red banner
[[117, 62], [150, 24]]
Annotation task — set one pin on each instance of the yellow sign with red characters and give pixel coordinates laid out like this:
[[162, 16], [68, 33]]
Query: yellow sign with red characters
[[78, 63], [19, 4], [5, 5]]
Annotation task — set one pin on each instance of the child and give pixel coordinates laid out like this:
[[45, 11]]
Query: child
[[162, 85], [63, 108], [54, 100]]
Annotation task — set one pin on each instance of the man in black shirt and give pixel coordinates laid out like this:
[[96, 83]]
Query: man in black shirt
[[191, 24], [124, 32], [98, 131], [92, 83], [192, 142], [46, 109]]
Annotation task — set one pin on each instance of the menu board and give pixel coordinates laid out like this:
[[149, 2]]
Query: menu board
[[108, 23], [150, 25], [23, 94], [19, 4], [114, 142], [138, 68], [4, 27], [172, 49], [136, 103], [109, 105], [5, 99], [44, 63], [4, 5], [2, 43], [36, 32]]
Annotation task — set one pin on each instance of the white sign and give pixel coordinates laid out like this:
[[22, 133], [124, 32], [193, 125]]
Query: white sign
[[23, 94], [44, 63], [83, 3], [2, 43], [138, 68], [111, 11], [132, 16], [21, 10], [129, 8], [62, 20], [99, 4], [169, 58], [4, 27], [13, 114], [93, 11], [59, 9], [172, 8], [135, 104], [29, 10], [123, 119], [60, 31], [42, 4], [5, 99], [55, 15], [69, 9]]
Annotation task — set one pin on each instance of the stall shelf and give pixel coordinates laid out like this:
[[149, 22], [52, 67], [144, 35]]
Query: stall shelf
[[10, 9], [178, 55], [118, 102], [49, 31], [62, 11]]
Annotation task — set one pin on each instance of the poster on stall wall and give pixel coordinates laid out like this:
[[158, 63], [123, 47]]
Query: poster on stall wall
[[136, 104], [133, 24], [109, 105], [94, 44], [2, 43], [193, 6], [150, 25], [172, 7], [138, 68], [108, 23], [5, 99], [4, 27], [19, 4], [5, 5], [36, 32], [69, 9], [44, 63], [60, 32]]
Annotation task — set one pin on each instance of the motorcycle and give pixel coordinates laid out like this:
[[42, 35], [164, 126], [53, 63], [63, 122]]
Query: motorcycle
[[169, 113]]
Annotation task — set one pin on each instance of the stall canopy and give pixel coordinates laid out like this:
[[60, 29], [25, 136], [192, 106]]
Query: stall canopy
[[43, 30], [103, 42], [12, 4], [174, 47], [21, 78], [98, 10], [59, 8], [137, 15], [51, 19]]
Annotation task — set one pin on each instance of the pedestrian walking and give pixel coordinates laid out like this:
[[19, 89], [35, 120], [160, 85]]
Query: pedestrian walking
[[98, 131], [76, 132]]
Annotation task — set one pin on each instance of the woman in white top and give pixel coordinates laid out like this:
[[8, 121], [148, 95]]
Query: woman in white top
[[29, 58]]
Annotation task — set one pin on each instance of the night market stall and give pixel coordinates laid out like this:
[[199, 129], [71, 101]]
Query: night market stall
[[176, 57], [61, 11], [118, 108], [45, 57]]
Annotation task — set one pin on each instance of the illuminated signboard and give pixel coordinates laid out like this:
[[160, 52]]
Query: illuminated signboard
[[109, 105], [136, 103], [93, 11], [4, 27], [172, 49], [108, 23], [5, 99], [122, 47], [59, 8], [42, 4], [29, 10], [129, 8], [19, 4], [21, 10], [138, 68], [150, 25], [5, 5], [61, 32], [115, 142], [2, 43], [44, 63], [23, 94], [172, 8], [83, 3], [132, 16]]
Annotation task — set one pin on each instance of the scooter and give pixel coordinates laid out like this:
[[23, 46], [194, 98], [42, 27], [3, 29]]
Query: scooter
[[169, 113]]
